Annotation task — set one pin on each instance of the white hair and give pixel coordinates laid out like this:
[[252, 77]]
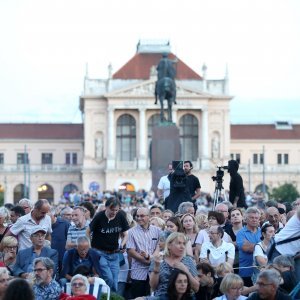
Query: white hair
[[83, 278]]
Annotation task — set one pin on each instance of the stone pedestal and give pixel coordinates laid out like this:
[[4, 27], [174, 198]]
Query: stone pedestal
[[165, 148]]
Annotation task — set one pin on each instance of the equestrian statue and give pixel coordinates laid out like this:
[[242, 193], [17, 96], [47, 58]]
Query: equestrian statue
[[165, 88]]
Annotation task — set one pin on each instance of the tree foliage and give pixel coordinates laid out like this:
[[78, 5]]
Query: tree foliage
[[285, 193]]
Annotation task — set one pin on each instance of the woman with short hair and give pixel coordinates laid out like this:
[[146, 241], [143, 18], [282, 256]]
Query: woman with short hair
[[231, 287], [8, 252], [79, 289]]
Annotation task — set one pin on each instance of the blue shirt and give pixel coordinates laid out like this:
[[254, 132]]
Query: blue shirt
[[50, 291], [246, 258]]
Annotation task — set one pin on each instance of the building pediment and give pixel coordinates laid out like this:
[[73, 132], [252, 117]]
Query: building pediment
[[147, 88]]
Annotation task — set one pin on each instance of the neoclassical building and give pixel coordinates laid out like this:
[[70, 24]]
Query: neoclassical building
[[111, 149], [119, 115]]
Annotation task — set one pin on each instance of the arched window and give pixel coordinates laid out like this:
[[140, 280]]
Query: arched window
[[45, 191], [20, 191], [126, 138], [188, 128]]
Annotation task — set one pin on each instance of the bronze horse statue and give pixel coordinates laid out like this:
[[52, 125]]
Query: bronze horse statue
[[165, 89]]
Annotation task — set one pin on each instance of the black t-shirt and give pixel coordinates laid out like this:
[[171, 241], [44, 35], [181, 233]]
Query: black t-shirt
[[105, 233], [236, 189], [193, 184]]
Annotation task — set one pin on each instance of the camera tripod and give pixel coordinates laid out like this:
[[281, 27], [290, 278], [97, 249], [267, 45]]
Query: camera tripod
[[217, 193]]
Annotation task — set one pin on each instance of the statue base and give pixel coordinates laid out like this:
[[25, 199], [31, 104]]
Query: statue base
[[165, 148]]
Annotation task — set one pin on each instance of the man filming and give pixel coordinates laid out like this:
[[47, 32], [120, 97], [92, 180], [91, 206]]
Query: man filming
[[179, 191], [193, 182], [236, 188]]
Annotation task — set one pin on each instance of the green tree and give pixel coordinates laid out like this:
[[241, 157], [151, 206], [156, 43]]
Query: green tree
[[285, 193]]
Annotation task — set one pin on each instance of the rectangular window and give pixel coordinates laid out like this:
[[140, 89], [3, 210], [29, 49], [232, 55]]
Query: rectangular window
[[258, 158], [236, 156], [71, 158], [47, 158], [22, 158], [1, 158], [282, 159]]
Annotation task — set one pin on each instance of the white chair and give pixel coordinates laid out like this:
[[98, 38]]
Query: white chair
[[99, 283]]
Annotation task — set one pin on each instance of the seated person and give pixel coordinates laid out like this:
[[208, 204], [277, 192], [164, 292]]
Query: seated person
[[8, 254], [285, 265], [24, 262], [45, 287], [83, 254], [79, 289], [206, 274]]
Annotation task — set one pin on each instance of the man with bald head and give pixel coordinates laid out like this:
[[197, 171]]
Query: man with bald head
[[141, 244], [273, 217]]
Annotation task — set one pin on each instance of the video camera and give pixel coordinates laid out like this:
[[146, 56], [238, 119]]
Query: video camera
[[219, 176], [178, 177]]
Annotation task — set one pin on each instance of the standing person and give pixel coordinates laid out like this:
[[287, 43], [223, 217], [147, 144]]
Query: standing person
[[45, 286], [193, 182], [66, 213], [273, 217], [26, 204], [79, 227], [260, 257], [38, 217], [15, 213], [236, 187], [59, 235], [163, 187], [4, 218], [141, 244], [160, 270], [246, 240], [105, 229]]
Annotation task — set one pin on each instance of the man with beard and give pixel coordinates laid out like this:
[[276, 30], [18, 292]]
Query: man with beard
[[45, 286], [193, 183]]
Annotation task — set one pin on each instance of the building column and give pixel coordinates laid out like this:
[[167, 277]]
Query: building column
[[142, 163], [111, 163], [205, 156], [174, 115], [226, 135]]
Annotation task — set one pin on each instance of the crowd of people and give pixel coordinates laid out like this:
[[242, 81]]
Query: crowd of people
[[148, 252]]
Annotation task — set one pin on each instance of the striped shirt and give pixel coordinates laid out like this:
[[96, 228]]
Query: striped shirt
[[141, 239], [74, 233]]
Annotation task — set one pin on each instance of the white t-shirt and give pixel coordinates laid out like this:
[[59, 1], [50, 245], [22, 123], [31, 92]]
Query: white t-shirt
[[217, 254], [291, 229], [164, 185]]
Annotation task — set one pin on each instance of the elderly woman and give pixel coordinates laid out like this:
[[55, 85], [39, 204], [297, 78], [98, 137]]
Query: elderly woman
[[79, 289], [8, 252], [4, 219], [26, 204], [231, 287], [174, 258], [4, 278]]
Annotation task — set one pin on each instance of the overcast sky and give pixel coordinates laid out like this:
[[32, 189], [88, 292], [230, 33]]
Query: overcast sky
[[45, 46]]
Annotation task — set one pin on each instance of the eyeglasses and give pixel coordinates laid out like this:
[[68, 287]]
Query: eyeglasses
[[263, 284], [141, 216], [25, 207], [11, 247], [78, 284], [39, 270]]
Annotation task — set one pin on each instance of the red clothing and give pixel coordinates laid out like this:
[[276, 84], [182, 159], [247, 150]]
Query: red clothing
[[64, 296]]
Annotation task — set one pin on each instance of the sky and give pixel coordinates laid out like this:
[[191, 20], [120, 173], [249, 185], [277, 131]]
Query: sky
[[46, 46]]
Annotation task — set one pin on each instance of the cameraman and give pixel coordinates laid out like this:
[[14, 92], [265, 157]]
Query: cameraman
[[193, 182], [236, 188], [179, 191]]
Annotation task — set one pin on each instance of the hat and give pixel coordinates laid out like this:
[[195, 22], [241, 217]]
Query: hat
[[37, 229]]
